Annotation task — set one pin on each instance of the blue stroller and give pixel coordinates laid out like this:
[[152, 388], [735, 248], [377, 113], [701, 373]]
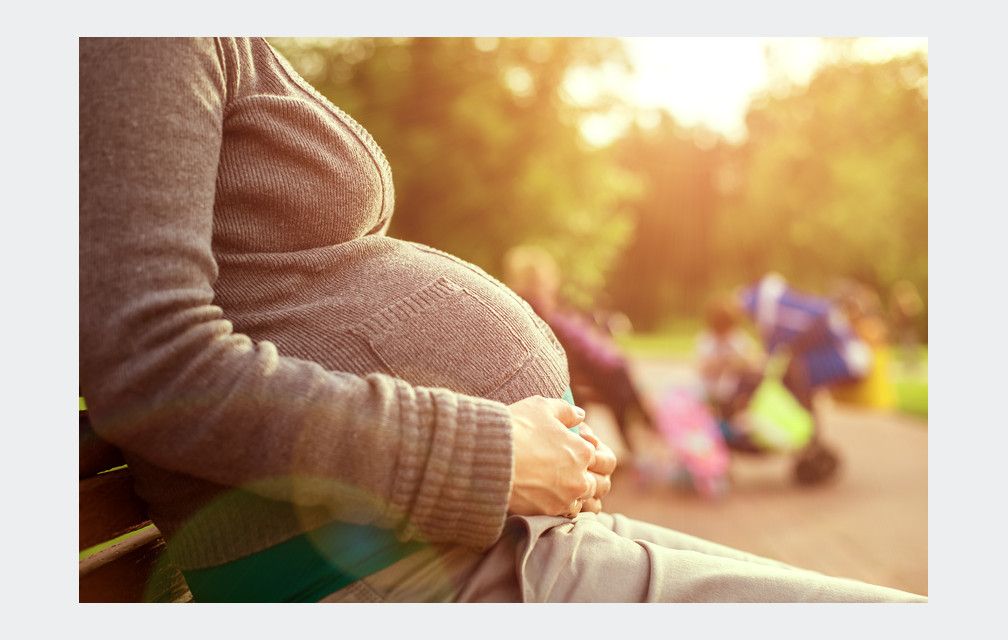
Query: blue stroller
[[819, 349]]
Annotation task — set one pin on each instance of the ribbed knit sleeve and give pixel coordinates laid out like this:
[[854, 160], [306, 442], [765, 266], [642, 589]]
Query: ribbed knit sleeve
[[168, 379]]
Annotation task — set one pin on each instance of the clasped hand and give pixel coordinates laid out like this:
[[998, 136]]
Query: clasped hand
[[556, 472]]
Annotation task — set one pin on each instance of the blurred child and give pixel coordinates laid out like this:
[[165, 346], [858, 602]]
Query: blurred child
[[731, 364], [729, 359]]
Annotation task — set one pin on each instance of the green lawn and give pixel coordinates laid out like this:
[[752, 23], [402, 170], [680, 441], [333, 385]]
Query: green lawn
[[911, 385], [676, 341], [912, 396], [678, 346]]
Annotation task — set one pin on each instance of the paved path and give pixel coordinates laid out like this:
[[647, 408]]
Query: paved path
[[870, 523]]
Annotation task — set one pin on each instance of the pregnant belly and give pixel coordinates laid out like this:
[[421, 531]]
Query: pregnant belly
[[380, 305]]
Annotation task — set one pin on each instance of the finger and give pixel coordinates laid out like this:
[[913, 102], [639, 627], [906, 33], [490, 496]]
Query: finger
[[603, 484], [604, 462], [586, 432], [594, 505], [592, 489]]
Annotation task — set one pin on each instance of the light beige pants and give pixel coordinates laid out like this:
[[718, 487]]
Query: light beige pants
[[602, 558]]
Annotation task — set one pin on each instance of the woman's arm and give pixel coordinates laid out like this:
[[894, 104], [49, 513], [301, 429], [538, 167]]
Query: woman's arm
[[167, 378]]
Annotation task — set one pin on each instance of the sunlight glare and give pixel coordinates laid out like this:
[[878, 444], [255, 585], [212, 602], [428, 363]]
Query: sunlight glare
[[710, 82]]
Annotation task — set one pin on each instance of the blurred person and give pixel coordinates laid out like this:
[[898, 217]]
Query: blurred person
[[729, 359], [905, 308], [822, 348], [821, 351], [862, 309], [598, 367], [731, 363], [314, 411]]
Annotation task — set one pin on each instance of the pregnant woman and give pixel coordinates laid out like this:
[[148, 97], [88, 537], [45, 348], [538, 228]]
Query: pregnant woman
[[313, 410]]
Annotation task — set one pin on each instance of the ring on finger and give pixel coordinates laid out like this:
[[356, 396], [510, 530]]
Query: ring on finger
[[576, 508]]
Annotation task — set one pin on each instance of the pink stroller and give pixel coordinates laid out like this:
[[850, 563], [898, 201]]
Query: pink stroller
[[689, 428]]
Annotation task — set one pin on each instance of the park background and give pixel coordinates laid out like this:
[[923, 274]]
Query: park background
[[821, 175], [496, 142]]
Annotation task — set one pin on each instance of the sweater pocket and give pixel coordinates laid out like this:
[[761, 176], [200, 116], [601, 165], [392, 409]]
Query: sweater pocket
[[446, 336]]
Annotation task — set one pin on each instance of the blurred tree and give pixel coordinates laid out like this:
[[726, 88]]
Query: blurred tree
[[485, 151], [833, 180], [668, 266]]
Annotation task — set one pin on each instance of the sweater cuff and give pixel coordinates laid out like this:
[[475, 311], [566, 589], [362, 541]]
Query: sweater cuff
[[455, 476]]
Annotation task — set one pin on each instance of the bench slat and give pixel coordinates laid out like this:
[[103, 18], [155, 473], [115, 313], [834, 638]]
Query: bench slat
[[134, 569], [109, 508], [131, 571]]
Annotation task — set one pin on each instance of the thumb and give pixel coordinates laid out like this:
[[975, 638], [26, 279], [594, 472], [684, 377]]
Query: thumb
[[570, 415]]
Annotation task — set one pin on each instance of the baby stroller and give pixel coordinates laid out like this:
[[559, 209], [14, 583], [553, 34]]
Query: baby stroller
[[812, 347], [703, 439], [691, 432], [770, 419]]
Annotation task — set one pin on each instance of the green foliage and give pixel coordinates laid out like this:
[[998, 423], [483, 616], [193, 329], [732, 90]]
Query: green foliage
[[833, 180], [485, 152], [668, 265], [831, 183]]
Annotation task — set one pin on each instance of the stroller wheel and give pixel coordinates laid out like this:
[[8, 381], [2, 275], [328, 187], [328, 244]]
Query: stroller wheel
[[816, 464]]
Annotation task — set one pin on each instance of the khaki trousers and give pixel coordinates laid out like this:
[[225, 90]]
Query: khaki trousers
[[602, 558]]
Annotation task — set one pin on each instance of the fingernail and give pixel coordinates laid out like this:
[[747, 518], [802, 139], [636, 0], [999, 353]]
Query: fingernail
[[579, 412]]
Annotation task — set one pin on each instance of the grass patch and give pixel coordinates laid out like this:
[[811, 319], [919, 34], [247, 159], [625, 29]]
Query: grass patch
[[677, 340], [910, 384], [912, 396], [657, 345]]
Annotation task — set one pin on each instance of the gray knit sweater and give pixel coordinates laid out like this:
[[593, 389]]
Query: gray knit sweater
[[267, 359]]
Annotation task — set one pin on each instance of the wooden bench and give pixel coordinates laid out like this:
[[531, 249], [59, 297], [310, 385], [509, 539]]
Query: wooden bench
[[124, 559]]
